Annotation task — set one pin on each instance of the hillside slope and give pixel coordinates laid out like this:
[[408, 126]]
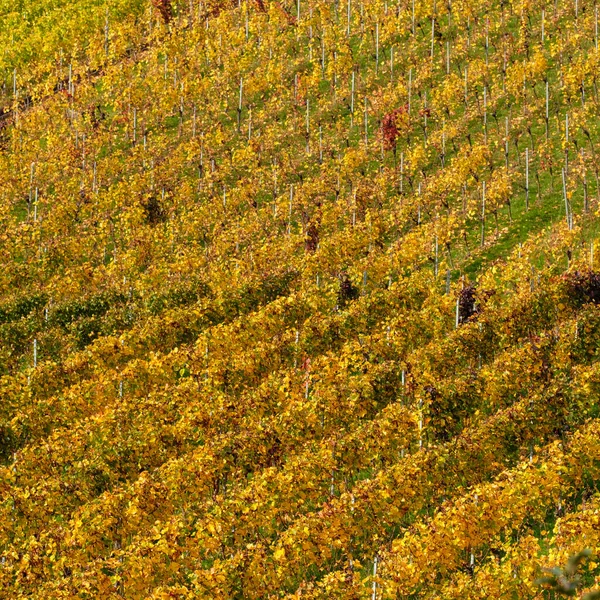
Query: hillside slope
[[297, 299]]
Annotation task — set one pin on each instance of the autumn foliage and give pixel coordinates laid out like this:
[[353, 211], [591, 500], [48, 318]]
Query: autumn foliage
[[391, 129], [299, 299], [165, 9]]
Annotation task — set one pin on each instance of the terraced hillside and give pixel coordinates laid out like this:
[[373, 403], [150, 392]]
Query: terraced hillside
[[298, 299]]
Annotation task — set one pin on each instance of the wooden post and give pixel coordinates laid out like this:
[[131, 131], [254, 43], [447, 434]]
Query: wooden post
[[547, 110], [377, 47], [366, 124], [566, 143], [527, 178], [307, 126], [374, 594], [290, 210], [425, 118], [457, 313], [320, 144], [420, 424], [483, 215], [585, 185], [352, 98], [134, 126], [443, 143], [401, 172], [567, 211], [349, 18], [596, 28], [239, 111], [485, 114], [409, 88], [506, 142]]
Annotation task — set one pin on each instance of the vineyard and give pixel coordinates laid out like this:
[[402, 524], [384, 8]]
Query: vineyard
[[298, 298]]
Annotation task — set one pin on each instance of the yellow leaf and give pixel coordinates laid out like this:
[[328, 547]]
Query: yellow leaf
[[279, 554]]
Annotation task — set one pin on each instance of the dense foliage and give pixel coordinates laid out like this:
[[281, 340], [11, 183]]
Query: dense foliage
[[298, 299]]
